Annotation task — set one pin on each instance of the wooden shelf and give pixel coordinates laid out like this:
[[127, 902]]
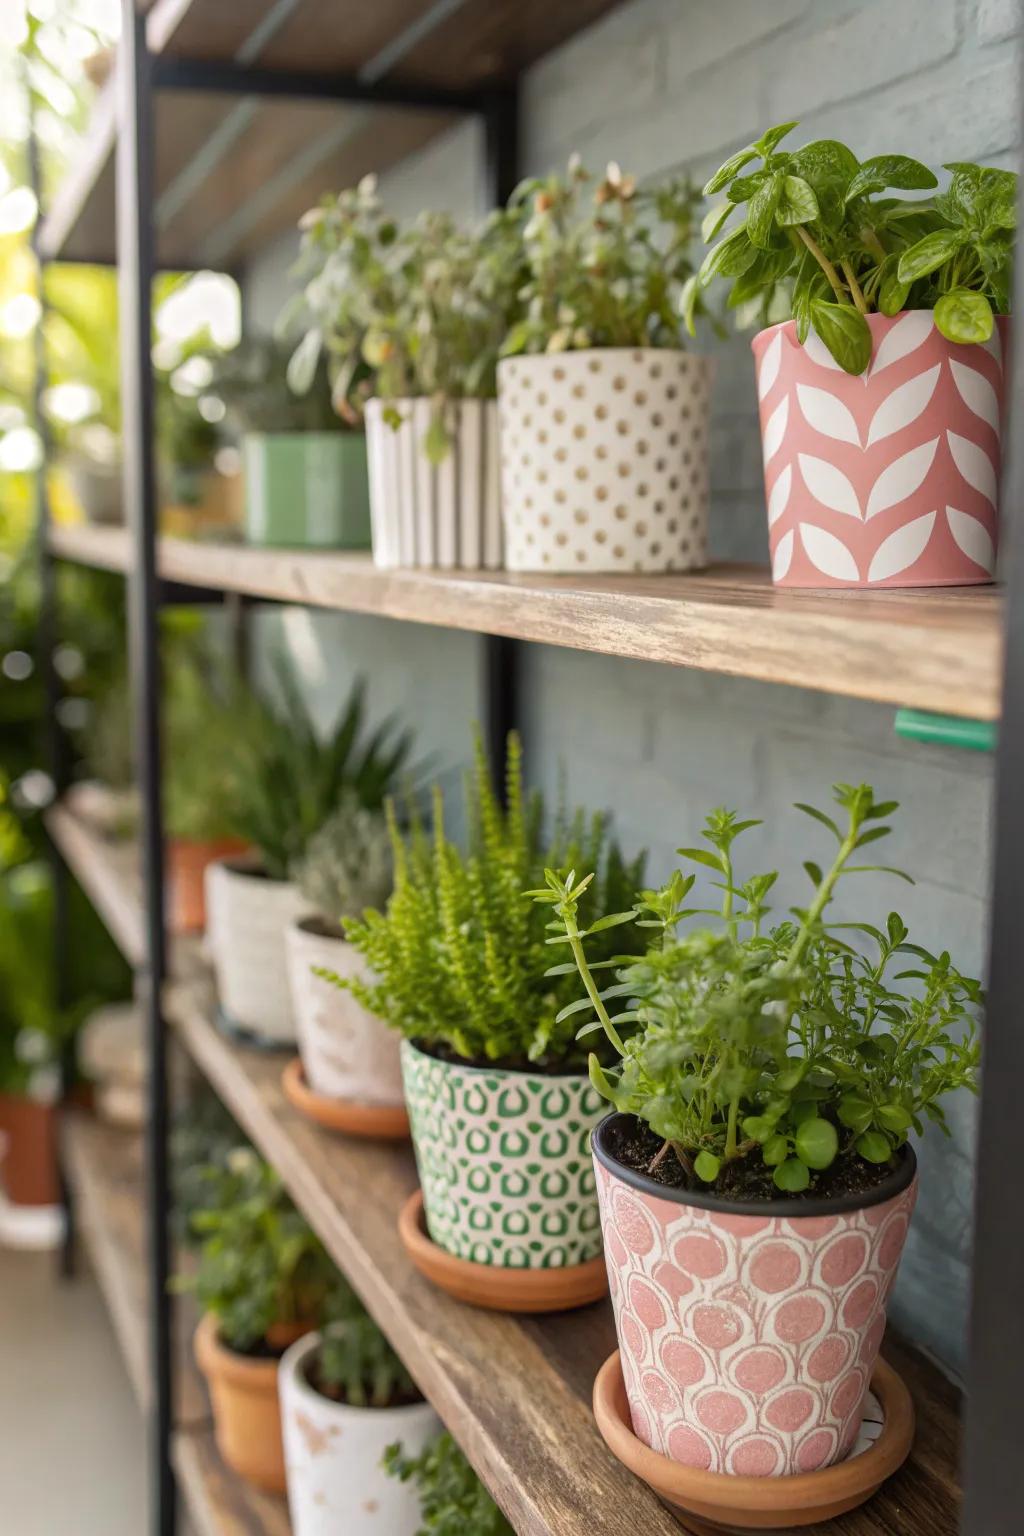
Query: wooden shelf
[[934, 650], [219, 1503], [108, 872], [232, 171]]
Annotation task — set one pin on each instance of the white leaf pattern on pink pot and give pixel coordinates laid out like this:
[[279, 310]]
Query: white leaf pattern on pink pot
[[977, 393], [770, 367], [827, 415], [974, 464], [829, 485], [775, 430], [783, 556], [973, 538], [909, 333], [903, 406], [901, 549], [779, 498], [828, 554], [901, 478]]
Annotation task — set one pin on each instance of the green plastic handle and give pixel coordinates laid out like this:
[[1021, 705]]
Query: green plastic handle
[[947, 730]]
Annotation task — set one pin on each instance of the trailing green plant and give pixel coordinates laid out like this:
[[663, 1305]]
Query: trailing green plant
[[816, 238], [399, 312], [259, 1262], [453, 1500], [354, 1362], [457, 958], [347, 866], [783, 1048], [604, 267], [252, 382], [291, 778]]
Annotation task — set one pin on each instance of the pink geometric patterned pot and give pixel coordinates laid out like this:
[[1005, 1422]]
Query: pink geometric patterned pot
[[887, 478], [748, 1336]]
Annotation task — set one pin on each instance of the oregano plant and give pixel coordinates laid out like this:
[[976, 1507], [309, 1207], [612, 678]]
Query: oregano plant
[[759, 1052]]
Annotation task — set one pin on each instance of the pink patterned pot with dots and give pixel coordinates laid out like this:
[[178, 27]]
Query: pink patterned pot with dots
[[887, 478], [748, 1340]]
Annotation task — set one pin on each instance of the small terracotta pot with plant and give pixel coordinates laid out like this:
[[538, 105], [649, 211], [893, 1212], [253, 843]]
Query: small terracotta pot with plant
[[756, 1180], [262, 1281], [452, 1499], [346, 1397], [349, 1076], [410, 319], [604, 414], [881, 380], [499, 1101]]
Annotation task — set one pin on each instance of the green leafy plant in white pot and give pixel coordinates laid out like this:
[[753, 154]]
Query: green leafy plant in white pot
[[499, 1102], [410, 319], [289, 779], [349, 1057], [604, 415], [304, 466]]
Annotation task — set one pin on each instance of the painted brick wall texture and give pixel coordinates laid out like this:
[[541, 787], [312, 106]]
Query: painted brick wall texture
[[660, 85]]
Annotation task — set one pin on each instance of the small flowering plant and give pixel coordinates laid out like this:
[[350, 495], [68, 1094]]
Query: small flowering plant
[[605, 263], [762, 1057]]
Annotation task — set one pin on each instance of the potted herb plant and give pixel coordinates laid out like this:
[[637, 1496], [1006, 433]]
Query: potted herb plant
[[411, 319], [289, 780], [349, 1076], [345, 1397], [262, 1281], [499, 1102], [881, 397], [604, 416], [304, 466], [756, 1180], [452, 1498]]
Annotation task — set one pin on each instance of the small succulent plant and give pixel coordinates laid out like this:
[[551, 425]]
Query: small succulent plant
[[347, 866]]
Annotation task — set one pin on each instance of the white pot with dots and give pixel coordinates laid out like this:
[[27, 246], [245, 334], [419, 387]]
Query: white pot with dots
[[604, 460]]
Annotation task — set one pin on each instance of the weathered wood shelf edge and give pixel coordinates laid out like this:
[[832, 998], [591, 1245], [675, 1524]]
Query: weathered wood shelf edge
[[937, 650]]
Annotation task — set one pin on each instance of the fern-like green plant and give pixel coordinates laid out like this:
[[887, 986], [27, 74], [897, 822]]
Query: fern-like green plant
[[347, 865], [460, 958], [453, 1500]]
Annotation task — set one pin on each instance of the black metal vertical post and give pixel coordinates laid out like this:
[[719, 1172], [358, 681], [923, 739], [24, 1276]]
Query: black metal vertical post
[[993, 1467], [135, 256], [501, 654]]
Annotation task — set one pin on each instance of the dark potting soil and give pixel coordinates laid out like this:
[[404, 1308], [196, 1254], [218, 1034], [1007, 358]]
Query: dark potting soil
[[260, 1351], [636, 1147], [443, 1052], [334, 1394]]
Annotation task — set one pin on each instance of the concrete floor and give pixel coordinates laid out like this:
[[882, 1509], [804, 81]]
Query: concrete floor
[[72, 1446]]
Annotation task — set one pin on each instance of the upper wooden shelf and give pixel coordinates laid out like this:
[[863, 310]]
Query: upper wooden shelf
[[934, 650], [232, 171]]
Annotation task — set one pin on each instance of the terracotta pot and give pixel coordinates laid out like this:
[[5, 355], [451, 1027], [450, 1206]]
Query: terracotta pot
[[605, 460], [247, 917], [504, 1163], [246, 1413], [748, 1331], [347, 1052], [28, 1150], [888, 478], [333, 1454], [448, 514], [186, 873]]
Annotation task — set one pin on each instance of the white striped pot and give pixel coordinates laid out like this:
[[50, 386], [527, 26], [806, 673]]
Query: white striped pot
[[247, 917], [604, 457], [333, 1455], [504, 1161], [445, 515], [347, 1052], [748, 1331]]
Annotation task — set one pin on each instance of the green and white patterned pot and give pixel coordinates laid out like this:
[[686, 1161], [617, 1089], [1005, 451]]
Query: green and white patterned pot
[[504, 1161], [306, 490]]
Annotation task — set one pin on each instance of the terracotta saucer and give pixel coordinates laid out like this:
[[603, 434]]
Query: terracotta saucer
[[378, 1122], [492, 1286], [741, 1504]]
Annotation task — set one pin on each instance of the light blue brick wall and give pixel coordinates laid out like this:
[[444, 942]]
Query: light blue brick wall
[[661, 85]]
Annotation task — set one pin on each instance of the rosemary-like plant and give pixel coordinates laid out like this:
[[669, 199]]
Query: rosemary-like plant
[[347, 865], [354, 1362]]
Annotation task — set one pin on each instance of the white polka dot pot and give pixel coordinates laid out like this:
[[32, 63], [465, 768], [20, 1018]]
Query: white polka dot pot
[[446, 515], [604, 458], [247, 917], [748, 1333], [333, 1454], [347, 1052], [504, 1161]]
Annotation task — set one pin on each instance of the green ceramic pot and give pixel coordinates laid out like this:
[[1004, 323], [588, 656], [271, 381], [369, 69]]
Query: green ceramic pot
[[504, 1161], [306, 489]]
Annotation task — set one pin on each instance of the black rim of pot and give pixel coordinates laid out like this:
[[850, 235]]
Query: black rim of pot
[[792, 1208]]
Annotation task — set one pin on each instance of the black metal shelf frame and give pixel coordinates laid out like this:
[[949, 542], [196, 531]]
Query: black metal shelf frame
[[994, 1469]]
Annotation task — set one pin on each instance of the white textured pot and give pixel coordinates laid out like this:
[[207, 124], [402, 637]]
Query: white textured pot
[[604, 458], [448, 514], [333, 1454], [347, 1052], [247, 917]]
